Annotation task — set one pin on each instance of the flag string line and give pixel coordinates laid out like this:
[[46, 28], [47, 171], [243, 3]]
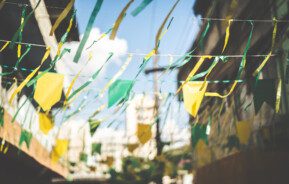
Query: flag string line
[[5, 78], [202, 18], [156, 55]]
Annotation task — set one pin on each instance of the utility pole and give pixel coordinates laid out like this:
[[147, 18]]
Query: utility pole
[[156, 109]]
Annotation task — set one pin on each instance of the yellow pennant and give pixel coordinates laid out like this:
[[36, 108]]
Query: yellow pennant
[[4, 46], [244, 131], [193, 93], [193, 72], [227, 34], [59, 149], [62, 16], [211, 94], [29, 77], [203, 153], [278, 96], [117, 75], [144, 133], [109, 161], [132, 147], [48, 90], [45, 123]]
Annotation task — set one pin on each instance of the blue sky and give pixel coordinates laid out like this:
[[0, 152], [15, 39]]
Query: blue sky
[[139, 33]]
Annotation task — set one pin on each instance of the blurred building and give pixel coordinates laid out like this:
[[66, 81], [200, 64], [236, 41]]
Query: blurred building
[[226, 160], [33, 165]]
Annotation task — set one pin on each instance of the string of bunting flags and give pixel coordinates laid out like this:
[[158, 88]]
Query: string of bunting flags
[[48, 85]]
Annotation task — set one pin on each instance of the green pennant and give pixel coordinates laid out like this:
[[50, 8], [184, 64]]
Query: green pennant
[[1, 116], [141, 7], [25, 137], [198, 133], [233, 142], [87, 30], [119, 91], [265, 91], [95, 148], [93, 125], [83, 157]]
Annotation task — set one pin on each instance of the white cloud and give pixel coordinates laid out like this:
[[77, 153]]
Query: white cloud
[[100, 51]]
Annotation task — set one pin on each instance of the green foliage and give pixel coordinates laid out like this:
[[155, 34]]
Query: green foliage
[[139, 171]]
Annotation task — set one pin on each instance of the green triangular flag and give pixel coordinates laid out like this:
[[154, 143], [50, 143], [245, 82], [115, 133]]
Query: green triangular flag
[[233, 141], [83, 157], [25, 137], [198, 133], [95, 148], [93, 125], [119, 91], [265, 91], [1, 116]]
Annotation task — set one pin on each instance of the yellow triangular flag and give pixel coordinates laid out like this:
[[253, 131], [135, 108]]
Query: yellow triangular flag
[[45, 123], [193, 96], [243, 131], [144, 133], [48, 90], [132, 147], [59, 149]]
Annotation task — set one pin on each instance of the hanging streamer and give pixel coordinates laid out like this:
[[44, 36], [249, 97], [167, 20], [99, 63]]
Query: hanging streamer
[[227, 34], [243, 62], [211, 94], [119, 20], [23, 14], [57, 58], [201, 43], [87, 30], [16, 35], [159, 33], [117, 75], [64, 37], [4, 46], [15, 68], [141, 7], [28, 78], [62, 16], [100, 37], [278, 96], [257, 71], [207, 72], [93, 77], [194, 70]]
